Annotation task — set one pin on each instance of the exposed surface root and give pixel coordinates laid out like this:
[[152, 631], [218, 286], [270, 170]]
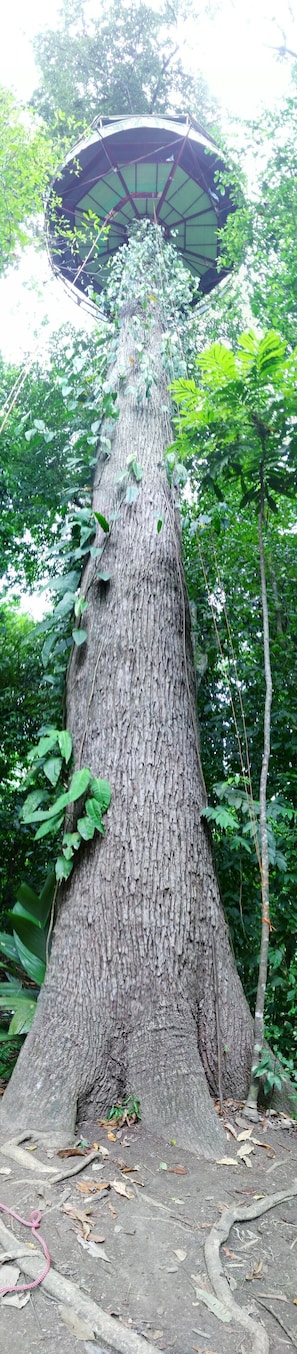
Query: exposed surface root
[[219, 1233], [120, 1339]]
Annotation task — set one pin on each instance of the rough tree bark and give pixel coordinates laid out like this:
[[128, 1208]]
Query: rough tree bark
[[128, 1003]]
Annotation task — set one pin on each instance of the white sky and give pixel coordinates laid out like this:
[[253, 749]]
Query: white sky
[[234, 53]]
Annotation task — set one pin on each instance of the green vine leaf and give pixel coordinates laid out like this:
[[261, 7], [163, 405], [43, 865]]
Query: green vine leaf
[[79, 636], [63, 868], [51, 825], [101, 790], [52, 769], [79, 784], [102, 521], [65, 744], [86, 828], [94, 813]]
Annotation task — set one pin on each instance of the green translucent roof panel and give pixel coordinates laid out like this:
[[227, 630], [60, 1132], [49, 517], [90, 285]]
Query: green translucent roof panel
[[163, 168]]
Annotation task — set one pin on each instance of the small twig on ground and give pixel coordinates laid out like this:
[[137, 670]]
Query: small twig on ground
[[278, 1319]]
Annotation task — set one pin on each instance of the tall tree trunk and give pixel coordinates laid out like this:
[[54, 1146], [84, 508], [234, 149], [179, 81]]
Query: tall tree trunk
[[129, 1001]]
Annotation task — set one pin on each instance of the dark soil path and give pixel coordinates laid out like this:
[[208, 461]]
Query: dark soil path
[[129, 1230]]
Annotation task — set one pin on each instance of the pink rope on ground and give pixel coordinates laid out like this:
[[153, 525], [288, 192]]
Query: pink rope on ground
[[34, 1223]]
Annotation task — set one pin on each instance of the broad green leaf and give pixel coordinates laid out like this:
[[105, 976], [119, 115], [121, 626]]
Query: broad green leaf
[[32, 963], [102, 521], [8, 998], [159, 524], [271, 352], [52, 825], [66, 605], [28, 930], [52, 769], [67, 851], [71, 839], [45, 744], [7, 946], [27, 897], [93, 811], [63, 868], [101, 790], [23, 1016], [81, 605], [32, 803], [86, 828], [37, 907], [22, 910], [60, 803], [79, 636], [65, 582], [104, 577], [218, 364], [79, 784], [65, 744]]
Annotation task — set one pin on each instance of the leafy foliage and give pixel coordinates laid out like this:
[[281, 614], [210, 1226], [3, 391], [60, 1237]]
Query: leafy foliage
[[25, 166], [85, 74], [262, 233]]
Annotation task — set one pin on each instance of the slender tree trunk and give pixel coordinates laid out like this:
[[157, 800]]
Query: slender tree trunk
[[131, 1001], [251, 1104]]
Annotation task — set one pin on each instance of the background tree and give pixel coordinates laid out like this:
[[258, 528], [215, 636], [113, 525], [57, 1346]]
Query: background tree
[[243, 415], [84, 73], [25, 164]]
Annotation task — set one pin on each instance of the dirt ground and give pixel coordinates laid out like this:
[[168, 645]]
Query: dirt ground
[[150, 1207]]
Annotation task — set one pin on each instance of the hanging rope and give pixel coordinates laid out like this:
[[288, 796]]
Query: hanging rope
[[34, 1224]]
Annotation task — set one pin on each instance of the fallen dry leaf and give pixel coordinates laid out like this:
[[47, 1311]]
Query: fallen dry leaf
[[5, 1170], [93, 1249], [214, 1304], [242, 1137], [266, 1145], [99, 1239], [15, 1300], [112, 1210], [93, 1186], [180, 1255], [82, 1329], [177, 1170], [112, 1136], [72, 1152], [230, 1129], [9, 1275], [76, 1213], [245, 1150], [121, 1188], [227, 1161], [230, 1254], [124, 1168]]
